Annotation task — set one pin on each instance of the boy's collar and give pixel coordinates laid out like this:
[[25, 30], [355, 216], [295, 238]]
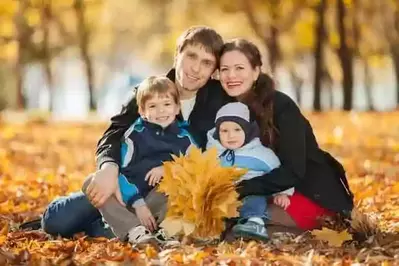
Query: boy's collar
[[173, 127]]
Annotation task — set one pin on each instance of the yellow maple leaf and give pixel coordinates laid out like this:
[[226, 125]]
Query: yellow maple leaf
[[5, 228], [3, 239], [177, 226], [201, 193], [333, 238]]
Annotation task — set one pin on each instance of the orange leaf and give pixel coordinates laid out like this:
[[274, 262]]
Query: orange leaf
[[333, 238]]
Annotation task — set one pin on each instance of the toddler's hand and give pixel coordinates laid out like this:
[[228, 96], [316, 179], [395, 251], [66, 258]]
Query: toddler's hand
[[282, 200], [146, 218], [154, 175]]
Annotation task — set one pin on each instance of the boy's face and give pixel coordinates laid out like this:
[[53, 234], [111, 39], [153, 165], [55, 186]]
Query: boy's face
[[231, 135], [194, 67], [160, 110]]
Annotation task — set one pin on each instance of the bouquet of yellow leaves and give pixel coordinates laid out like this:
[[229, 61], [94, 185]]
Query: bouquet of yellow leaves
[[201, 193]]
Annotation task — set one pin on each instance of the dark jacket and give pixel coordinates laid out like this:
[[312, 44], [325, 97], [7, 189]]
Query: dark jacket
[[202, 118], [313, 172], [144, 146]]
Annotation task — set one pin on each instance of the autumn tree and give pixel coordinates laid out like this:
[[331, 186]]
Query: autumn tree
[[320, 33], [46, 14], [362, 12], [280, 17], [84, 41], [23, 33], [345, 55], [390, 13]]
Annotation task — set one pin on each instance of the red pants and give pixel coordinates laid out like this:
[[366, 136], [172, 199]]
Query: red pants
[[305, 212]]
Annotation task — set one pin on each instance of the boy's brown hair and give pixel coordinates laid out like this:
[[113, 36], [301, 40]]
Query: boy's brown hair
[[153, 86], [205, 36]]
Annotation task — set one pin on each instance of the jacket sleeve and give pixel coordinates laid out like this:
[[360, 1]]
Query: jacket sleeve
[[288, 192], [108, 147], [130, 192], [291, 152]]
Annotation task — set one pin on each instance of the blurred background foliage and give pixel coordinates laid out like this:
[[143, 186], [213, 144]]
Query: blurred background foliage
[[86, 54]]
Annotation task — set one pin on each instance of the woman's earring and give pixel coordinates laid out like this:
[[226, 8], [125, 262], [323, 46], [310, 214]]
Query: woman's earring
[[254, 85]]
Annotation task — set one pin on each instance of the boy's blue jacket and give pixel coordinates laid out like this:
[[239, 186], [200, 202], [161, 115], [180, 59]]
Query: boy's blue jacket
[[253, 156], [144, 146]]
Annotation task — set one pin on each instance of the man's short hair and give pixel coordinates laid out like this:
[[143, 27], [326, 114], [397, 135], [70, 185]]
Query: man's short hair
[[156, 86], [203, 35]]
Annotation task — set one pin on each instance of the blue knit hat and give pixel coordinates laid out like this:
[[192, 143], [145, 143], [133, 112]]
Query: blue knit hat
[[238, 113]]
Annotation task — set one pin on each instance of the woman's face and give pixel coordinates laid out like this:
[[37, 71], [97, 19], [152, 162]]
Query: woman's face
[[236, 73]]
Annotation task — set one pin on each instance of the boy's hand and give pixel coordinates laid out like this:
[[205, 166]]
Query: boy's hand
[[154, 175], [145, 216], [104, 183], [282, 200]]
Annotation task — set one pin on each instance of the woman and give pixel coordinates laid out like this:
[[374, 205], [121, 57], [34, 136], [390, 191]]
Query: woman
[[320, 184]]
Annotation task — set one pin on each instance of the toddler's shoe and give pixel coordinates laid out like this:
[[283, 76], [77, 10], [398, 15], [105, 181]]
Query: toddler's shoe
[[140, 235], [251, 230]]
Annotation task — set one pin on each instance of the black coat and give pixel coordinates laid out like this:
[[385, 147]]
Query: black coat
[[312, 171]]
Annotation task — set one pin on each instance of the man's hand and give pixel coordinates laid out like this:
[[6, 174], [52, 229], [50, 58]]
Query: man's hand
[[104, 183], [146, 218], [154, 175], [282, 200]]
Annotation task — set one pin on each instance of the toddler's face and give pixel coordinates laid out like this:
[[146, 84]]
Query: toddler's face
[[160, 110], [231, 135]]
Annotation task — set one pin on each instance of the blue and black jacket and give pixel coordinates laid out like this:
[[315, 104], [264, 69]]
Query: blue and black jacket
[[144, 146]]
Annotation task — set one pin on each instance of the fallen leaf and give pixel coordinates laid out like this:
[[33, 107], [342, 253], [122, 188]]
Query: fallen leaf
[[150, 252], [333, 238]]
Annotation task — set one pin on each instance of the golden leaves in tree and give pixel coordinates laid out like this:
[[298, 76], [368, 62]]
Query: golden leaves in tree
[[200, 194]]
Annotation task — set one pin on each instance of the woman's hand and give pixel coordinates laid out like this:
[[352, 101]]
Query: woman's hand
[[104, 183], [282, 200], [146, 218], [154, 176]]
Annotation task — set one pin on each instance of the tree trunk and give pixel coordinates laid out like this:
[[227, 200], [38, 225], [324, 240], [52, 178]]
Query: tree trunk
[[331, 93], [328, 85], [273, 48], [368, 86], [395, 58], [320, 32], [22, 39], [84, 48], [297, 82], [46, 15], [346, 57], [19, 77]]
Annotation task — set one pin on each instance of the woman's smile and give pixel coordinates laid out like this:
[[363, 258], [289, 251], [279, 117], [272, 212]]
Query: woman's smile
[[233, 84]]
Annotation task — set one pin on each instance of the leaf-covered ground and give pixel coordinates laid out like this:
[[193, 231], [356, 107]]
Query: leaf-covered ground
[[40, 160]]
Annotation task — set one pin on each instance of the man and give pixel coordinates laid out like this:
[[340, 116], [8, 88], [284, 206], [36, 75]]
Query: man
[[196, 59]]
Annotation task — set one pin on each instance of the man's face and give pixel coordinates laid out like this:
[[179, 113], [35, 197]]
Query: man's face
[[194, 66]]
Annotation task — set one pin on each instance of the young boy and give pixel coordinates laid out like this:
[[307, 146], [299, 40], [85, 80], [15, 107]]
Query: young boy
[[151, 140], [238, 144]]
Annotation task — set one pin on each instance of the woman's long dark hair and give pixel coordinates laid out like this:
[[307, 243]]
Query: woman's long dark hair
[[260, 97]]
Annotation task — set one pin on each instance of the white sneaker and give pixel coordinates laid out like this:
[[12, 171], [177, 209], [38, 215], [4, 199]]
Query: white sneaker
[[162, 238], [140, 235]]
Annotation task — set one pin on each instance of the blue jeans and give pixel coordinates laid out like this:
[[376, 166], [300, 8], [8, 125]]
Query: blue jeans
[[254, 206], [72, 214]]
